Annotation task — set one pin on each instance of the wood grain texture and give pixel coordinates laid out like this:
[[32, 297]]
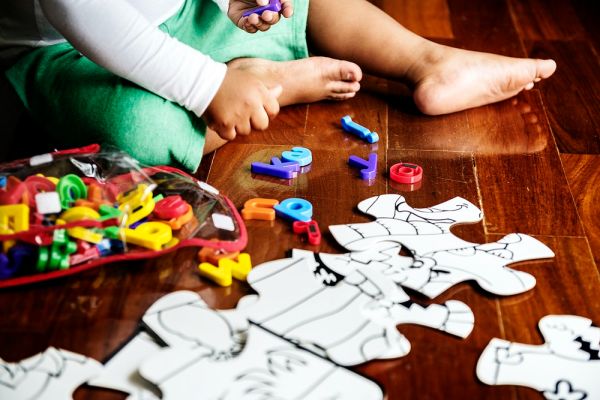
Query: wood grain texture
[[571, 98], [531, 163], [516, 186], [546, 19], [428, 18], [485, 26], [568, 284], [583, 175]]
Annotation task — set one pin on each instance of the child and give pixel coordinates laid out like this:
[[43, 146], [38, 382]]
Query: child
[[149, 76]]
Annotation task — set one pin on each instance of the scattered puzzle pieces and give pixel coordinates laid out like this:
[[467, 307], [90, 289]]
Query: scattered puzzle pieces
[[51, 375], [566, 366], [440, 259], [218, 354], [349, 317], [121, 371]]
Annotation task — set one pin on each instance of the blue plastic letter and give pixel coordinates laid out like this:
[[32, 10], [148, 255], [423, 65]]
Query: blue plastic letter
[[294, 209]]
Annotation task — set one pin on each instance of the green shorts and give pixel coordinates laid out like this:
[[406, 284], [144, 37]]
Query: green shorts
[[79, 102]]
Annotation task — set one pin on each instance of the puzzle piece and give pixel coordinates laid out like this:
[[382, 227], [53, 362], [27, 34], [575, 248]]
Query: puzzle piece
[[183, 319], [441, 259], [218, 354], [53, 374], [348, 316], [566, 366], [121, 371]]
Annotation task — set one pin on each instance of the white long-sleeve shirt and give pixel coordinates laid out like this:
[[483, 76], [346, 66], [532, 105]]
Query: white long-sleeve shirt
[[121, 36]]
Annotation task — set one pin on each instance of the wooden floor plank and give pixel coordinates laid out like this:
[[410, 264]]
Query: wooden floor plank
[[567, 285], [546, 19], [428, 18], [289, 125], [231, 173], [523, 192], [324, 130], [588, 11], [503, 158], [571, 95], [485, 26], [583, 175], [447, 174]]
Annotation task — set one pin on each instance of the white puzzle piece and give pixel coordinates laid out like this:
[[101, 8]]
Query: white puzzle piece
[[440, 259], [348, 316], [51, 375], [566, 366], [218, 355], [183, 319], [121, 371]]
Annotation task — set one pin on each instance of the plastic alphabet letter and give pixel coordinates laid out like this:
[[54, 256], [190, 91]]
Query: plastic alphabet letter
[[227, 270], [368, 168], [152, 235], [301, 155], [313, 233], [276, 169], [352, 127], [295, 209], [259, 208], [70, 188], [274, 5], [82, 213]]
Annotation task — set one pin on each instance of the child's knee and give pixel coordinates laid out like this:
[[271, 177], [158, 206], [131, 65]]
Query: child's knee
[[158, 133]]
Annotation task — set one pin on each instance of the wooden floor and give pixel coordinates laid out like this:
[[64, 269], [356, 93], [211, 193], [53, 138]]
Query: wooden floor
[[531, 163]]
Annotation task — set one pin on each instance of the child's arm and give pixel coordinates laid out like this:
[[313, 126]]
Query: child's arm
[[256, 22], [114, 35]]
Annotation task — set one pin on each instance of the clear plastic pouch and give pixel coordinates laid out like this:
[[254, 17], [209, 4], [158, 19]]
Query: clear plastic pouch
[[69, 211]]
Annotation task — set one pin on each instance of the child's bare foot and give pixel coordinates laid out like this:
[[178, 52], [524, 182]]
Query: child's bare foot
[[306, 80], [450, 80]]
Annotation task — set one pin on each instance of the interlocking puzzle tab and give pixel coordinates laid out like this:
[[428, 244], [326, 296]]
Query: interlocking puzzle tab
[[566, 366], [441, 259], [53, 374], [349, 316], [219, 354]]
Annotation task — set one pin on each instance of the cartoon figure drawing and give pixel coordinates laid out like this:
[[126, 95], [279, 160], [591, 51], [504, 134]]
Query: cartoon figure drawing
[[440, 259], [53, 374], [230, 359], [566, 366]]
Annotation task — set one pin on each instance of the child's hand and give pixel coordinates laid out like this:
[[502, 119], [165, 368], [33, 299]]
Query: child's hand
[[255, 22], [242, 103]]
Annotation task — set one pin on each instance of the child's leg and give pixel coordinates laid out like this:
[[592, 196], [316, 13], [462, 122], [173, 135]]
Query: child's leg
[[78, 103], [445, 79]]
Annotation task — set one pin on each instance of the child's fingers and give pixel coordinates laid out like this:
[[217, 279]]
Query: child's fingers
[[243, 128], [226, 133], [260, 120], [244, 25], [287, 8], [271, 104], [269, 17]]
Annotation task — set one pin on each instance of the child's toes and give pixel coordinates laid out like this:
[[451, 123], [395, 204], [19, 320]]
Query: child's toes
[[341, 96], [341, 87], [350, 71]]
